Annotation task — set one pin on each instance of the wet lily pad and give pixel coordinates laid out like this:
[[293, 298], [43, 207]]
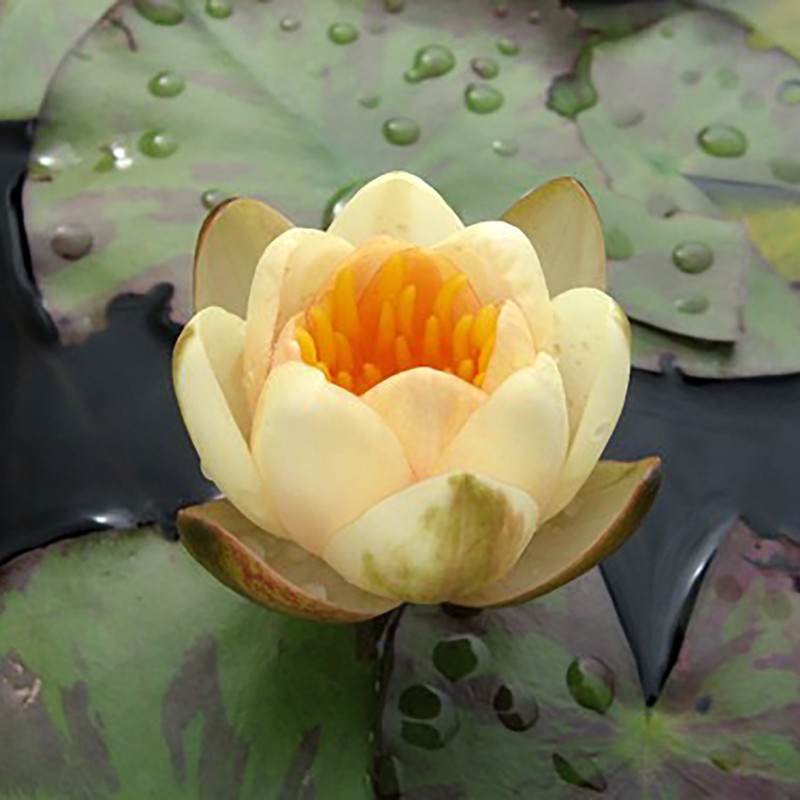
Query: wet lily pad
[[727, 723], [34, 36], [127, 671]]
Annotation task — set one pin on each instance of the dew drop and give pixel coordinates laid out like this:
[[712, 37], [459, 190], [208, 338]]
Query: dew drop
[[591, 683], [692, 257], [289, 24], [505, 147], [692, 304], [160, 12], [458, 656], [394, 6], [627, 117], [342, 33], [785, 169], [369, 100], [420, 702], [727, 78], [516, 708], [618, 244], [486, 68], [114, 156], [166, 84], [337, 201], [722, 141], [211, 198], [71, 241], [789, 92], [507, 46], [430, 62], [401, 131], [157, 144], [429, 717], [482, 98], [579, 770], [218, 9]]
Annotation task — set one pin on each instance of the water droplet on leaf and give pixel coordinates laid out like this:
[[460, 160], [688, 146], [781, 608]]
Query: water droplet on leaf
[[218, 9], [157, 144], [785, 169], [71, 241], [401, 131], [722, 141], [507, 46], [430, 719], [430, 62], [692, 257], [486, 68], [369, 100], [692, 304], [211, 198], [289, 24], [591, 683], [160, 12], [618, 244], [459, 656], [482, 98], [505, 147], [342, 33], [516, 707], [579, 770], [166, 84]]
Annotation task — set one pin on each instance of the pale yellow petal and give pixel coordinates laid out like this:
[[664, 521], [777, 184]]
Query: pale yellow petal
[[605, 512], [425, 408], [326, 456], [501, 264], [519, 435], [305, 257], [593, 346], [446, 536], [207, 375], [561, 220], [400, 205], [513, 349], [232, 239]]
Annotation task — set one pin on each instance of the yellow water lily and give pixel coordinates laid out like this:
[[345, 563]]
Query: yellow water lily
[[405, 408]]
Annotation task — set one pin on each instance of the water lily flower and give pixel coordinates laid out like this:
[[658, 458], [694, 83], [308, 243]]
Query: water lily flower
[[405, 408]]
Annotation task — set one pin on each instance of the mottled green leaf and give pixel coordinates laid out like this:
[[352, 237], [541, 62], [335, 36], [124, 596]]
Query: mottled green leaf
[[556, 703], [127, 671]]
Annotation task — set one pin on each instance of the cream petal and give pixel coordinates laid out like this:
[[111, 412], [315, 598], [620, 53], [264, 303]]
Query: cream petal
[[425, 408], [446, 536], [274, 572], [306, 258], [593, 346], [605, 512], [325, 455], [561, 220], [501, 264], [232, 239], [400, 205], [519, 435], [207, 374], [513, 349]]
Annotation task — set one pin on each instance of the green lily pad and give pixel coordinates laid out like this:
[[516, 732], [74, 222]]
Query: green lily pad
[[728, 723], [137, 145], [34, 36], [770, 345], [127, 671]]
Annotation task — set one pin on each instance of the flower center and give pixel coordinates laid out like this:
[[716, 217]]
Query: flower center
[[417, 310]]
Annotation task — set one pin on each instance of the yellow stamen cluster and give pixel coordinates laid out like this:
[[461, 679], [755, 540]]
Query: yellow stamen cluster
[[408, 315]]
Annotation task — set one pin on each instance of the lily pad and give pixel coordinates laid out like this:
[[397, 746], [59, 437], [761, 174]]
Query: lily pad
[[34, 36], [137, 145], [127, 671], [727, 724]]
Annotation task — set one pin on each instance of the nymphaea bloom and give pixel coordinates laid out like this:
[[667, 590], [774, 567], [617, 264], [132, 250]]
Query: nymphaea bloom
[[405, 408]]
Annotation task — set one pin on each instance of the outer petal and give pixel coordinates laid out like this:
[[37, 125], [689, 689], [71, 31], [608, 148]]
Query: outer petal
[[273, 572], [325, 455], [561, 220], [501, 264], [310, 257], [400, 205], [425, 408], [207, 373], [606, 511], [443, 537], [231, 241], [519, 435], [593, 343], [514, 348]]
